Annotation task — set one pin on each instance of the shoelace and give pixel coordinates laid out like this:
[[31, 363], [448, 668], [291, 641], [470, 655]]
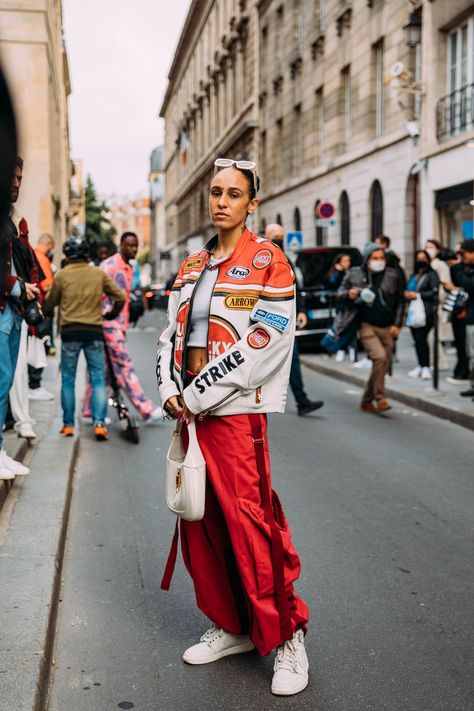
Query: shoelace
[[286, 656], [212, 634]]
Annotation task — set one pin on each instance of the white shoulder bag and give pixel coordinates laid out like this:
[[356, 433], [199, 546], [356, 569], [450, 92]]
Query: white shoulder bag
[[186, 477]]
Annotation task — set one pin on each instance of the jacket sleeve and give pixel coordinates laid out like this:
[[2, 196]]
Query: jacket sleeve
[[429, 288], [260, 352], [342, 293], [167, 386], [117, 295], [400, 302], [54, 294]]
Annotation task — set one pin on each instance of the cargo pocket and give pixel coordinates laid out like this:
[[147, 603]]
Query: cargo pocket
[[258, 540]]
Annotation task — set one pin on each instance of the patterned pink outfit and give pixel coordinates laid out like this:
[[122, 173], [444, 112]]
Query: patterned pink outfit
[[115, 338]]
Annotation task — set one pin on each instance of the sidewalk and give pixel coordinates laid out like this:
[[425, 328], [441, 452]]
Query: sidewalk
[[445, 403], [33, 519]]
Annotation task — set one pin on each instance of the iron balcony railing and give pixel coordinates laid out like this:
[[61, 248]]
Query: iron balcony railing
[[455, 112]]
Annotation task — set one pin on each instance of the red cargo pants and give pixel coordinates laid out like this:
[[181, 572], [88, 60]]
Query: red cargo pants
[[230, 553]]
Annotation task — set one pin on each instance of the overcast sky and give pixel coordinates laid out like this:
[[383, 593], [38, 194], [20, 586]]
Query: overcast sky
[[120, 52]]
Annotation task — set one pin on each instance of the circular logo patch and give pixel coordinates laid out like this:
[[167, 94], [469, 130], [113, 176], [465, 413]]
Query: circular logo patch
[[262, 259], [258, 338]]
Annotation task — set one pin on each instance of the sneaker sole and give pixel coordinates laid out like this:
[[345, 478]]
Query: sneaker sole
[[239, 649], [295, 690]]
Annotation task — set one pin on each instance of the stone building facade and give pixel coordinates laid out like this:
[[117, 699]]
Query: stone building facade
[[159, 255], [337, 100], [132, 214], [34, 58]]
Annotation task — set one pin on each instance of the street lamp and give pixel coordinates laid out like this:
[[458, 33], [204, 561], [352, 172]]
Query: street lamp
[[413, 29]]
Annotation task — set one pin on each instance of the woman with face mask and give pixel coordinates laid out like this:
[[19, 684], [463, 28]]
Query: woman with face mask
[[224, 361], [424, 283]]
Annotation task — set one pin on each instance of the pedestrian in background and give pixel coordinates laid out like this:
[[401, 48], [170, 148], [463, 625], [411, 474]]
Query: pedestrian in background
[[462, 276], [445, 329], [378, 290], [423, 284], [304, 405], [44, 253], [341, 265], [119, 267], [78, 289], [19, 277], [224, 360]]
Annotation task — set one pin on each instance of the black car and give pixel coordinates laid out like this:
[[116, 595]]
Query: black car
[[313, 267]]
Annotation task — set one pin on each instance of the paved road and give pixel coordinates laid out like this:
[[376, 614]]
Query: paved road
[[381, 511]]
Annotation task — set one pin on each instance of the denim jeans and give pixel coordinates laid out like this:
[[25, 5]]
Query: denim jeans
[[9, 347], [94, 354]]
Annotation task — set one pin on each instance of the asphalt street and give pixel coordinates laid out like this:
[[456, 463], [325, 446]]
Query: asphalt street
[[381, 513]]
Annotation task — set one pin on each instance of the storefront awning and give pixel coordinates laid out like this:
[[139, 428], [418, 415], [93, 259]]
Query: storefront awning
[[455, 193]]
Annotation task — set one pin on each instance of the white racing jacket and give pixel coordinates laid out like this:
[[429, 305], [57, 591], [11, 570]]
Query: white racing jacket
[[250, 334]]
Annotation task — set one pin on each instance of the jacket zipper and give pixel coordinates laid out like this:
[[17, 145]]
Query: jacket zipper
[[258, 395]]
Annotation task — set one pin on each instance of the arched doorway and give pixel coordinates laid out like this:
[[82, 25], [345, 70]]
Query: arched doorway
[[297, 220], [278, 220], [376, 210], [345, 218], [412, 217]]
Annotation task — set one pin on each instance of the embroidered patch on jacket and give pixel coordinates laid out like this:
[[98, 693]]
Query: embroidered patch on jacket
[[262, 259], [241, 302], [275, 320], [258, 338], [193, 263], [238, 273]]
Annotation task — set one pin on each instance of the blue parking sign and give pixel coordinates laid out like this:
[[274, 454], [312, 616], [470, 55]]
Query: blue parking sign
[[293, 241]]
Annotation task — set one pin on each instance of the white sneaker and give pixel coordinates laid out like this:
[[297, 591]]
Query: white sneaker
[[155, 417], [364, 364], [215, 644], [416, 372], [426, 374], [25, 429], [290, 671], [6, 474], [7, 462], [457, 381], [39, 394], [340, 356]]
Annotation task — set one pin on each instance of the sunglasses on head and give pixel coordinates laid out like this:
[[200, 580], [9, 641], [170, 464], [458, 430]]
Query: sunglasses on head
[[241, 165]]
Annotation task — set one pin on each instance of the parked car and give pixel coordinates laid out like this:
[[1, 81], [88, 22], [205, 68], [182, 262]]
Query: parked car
[[156, 296], [312, 268]]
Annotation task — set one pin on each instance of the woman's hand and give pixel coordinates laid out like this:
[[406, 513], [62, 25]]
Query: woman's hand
[[410, 295], [32, 291], [174, 407]]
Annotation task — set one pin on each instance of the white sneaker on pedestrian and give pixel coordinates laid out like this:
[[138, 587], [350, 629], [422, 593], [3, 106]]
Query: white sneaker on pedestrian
[[39, 394], [340, 356], [6, 474], [364, 364], [7, 462], [290, 671], [416, 372], [457, 381], [215, 644], [25, 429], [155, 417], [426, 374]]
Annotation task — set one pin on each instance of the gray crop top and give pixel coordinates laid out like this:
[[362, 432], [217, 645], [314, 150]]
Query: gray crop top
[[201, 305]]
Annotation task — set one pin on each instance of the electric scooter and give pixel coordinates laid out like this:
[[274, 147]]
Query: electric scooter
[[128, 423]]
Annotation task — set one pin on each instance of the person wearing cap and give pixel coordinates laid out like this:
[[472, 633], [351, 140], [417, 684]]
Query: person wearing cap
[[378, 291], [78, 289], [462, 277]]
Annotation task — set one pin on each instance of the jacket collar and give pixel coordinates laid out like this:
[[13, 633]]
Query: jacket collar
[[238, 249]]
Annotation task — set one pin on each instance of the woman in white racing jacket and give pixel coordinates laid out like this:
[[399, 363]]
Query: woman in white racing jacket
[[224, 359]]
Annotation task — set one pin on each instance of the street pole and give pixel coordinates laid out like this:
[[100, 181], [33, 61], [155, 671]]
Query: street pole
[[436, 342]]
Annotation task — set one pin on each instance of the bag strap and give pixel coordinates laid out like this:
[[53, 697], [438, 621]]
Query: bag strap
[[277, 549], [171, 562]]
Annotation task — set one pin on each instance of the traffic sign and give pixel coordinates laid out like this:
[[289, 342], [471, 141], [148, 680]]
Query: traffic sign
[[293, 241], [321, 222], [326, 210]]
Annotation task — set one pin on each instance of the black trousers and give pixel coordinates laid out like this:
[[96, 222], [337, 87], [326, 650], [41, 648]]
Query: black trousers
[[420, 336], [462, 366]]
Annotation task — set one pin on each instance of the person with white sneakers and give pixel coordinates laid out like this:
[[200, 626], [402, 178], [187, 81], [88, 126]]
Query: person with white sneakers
[[224, 361], [424, 284], [19, 277]]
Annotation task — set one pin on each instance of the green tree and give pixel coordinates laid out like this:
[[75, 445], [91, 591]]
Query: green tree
[[98, 226]]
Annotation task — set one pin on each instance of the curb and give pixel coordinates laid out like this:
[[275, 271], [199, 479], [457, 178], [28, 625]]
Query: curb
[[418, 403], [22, 449]]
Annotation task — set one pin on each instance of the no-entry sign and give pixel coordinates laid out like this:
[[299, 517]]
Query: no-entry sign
[[326, 210]]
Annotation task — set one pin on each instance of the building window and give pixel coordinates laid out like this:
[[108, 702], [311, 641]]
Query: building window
[[344, 212], [278, 154], [379, 88], [347, 106], [297, 220], [278, 220], [461, 77], [319, 121], [376, 210], [297, 158], [298, 25], [321, 231]]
